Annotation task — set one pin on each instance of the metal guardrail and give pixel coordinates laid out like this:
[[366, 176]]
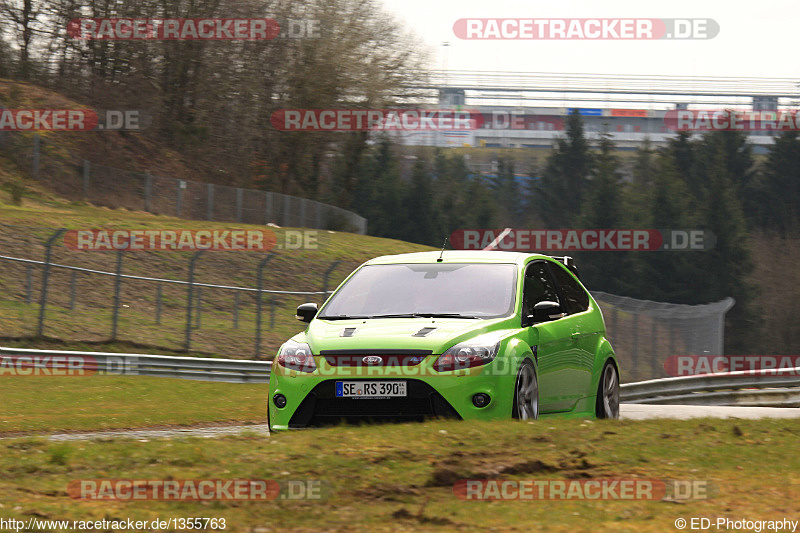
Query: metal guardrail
[[756, 388], [129, 364], [777, 388]]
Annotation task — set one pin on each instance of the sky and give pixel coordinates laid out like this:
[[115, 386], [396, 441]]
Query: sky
[[756, 39]]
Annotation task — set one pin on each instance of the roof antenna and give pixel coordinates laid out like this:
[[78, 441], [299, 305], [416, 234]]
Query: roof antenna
[[441, 254]]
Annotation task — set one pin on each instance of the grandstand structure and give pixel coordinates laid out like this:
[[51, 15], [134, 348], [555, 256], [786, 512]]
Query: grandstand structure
[[528, 109]]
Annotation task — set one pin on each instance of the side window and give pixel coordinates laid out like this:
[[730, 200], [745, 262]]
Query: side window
[[576, 298], [539, 287]]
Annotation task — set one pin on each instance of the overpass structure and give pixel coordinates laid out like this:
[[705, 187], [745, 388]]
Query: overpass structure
[[629, 107]]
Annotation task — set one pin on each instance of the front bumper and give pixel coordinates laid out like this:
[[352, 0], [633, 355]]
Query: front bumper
[[311, 399]]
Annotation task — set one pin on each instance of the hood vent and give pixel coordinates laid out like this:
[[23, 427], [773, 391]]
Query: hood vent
[[424, 332], [347, 332]]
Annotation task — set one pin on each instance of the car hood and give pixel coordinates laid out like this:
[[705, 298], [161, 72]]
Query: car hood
[[434, 334]]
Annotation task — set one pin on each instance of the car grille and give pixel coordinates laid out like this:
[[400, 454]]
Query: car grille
[[321, 406], [388, 357]]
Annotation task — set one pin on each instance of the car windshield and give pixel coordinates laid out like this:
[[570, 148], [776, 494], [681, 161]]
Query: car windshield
[[407, 290]]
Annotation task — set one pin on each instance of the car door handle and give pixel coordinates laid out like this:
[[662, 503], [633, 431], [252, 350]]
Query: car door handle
[[575, 335]]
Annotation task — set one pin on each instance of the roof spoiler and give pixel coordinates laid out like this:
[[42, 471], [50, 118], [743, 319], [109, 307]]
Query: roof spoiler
[[568, 262]]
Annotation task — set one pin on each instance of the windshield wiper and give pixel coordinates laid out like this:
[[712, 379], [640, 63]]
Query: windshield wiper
[[424, 315]]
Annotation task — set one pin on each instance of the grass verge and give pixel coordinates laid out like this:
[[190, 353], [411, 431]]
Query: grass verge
[[52, 404], [400, 477]]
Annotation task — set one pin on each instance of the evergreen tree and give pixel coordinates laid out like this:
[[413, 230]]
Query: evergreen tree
[[637, 199], [481, 213], [451, 179], [777, 193], [560, 196], [728, 265], [422, 222], [737, 158], [668, 276], [379, 192], [507, 195], [603, 210]]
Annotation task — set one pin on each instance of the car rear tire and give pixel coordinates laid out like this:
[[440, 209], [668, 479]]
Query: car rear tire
[[526, 393], [608, 393]]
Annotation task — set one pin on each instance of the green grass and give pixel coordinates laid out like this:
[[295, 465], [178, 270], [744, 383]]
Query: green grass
[[400, 477], [48, 404]]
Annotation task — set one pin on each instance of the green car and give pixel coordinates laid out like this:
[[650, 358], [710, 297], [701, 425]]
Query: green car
[[456, 334]]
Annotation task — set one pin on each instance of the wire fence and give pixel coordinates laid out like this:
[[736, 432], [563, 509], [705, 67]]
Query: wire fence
[[238, 306], [173, 301], [645, 333], [78, 179]]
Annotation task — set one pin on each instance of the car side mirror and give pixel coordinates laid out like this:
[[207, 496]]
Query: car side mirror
[[546, 311], [306, 312]]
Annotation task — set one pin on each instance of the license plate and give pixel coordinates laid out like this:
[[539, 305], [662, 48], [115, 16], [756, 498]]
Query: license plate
[[370, 389]]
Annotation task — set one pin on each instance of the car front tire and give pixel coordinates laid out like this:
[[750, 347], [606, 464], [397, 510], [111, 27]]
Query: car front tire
[[526, 393]]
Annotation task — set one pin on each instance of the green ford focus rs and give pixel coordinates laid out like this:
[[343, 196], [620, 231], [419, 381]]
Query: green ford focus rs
[[456, 334]]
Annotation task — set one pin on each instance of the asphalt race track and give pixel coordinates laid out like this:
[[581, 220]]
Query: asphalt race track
[[632, 411]]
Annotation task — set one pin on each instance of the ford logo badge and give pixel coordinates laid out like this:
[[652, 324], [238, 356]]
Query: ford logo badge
[[372, 360]]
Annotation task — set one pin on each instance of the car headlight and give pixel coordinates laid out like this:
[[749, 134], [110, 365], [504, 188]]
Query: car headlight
[[296, 356], [466, 355]]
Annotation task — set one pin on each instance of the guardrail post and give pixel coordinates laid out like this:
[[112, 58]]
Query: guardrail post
[[260, 283], [45, 277], [325, 279], [117, 287], [192, 262]]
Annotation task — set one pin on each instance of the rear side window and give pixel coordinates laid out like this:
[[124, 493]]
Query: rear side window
[[576, 299]]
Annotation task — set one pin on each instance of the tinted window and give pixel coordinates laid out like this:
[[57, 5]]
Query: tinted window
[[575, 296], [481, 290], [539, 287]]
